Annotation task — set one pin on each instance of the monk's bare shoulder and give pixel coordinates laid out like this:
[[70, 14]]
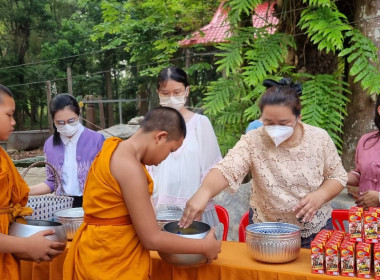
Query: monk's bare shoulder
[[125, 167]]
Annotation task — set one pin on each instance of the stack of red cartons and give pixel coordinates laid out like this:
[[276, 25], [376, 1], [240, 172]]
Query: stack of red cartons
[[363, 260], [370, 226], [332, 253], [377, 210], [355, 226], [335, 253], [347, 257], [318, 251]]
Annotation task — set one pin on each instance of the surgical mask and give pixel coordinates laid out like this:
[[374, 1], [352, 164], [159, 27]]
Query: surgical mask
[[69, 130], [175, 102], [280, 133]]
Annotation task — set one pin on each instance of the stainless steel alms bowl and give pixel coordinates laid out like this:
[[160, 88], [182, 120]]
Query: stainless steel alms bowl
[[34, 226], [197, 230], [71, 219], [273, 242]]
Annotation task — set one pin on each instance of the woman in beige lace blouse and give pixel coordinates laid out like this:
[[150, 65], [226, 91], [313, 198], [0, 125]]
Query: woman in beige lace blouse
[[295, 167]]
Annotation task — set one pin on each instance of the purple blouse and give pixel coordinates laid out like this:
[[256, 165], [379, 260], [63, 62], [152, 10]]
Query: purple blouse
[[88, 146], [367, 161]]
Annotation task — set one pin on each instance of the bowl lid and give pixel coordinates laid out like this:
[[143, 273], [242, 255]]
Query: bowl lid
[[272, 228], [70, 213]]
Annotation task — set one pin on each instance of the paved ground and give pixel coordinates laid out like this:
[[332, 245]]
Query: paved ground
[[236, 204]]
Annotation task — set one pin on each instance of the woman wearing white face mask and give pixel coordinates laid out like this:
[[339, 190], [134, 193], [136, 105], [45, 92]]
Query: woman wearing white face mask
[[295, 167], [179, 176], [71, 150]]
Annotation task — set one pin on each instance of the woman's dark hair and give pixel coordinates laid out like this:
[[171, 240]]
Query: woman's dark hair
[[377, 123], [172, 73], [59, 102], [284, 92]]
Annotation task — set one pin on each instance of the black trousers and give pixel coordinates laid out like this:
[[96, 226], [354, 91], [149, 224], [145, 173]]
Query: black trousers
[[78, 201]]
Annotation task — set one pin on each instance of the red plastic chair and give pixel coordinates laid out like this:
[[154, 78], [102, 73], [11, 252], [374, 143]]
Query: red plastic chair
[[244, 221], [338, 216], [224, 218]]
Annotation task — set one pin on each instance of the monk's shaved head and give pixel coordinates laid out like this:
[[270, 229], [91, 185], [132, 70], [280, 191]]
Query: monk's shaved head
[[166, 119], [4, 91]]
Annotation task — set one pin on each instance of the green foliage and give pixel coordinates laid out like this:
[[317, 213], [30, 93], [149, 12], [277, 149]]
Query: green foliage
[[253, 55], [323, 103], [223, 104], [262, 62], [325, 26], [319, 3], [362, 54], [245, 6]]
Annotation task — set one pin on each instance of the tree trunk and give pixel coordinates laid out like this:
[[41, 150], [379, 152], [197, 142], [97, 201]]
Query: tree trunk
[[361, 108]]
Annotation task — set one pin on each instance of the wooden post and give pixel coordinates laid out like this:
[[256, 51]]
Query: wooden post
[[90, 112], [111, 120], [48, 100], [101, 114], [69, 81]]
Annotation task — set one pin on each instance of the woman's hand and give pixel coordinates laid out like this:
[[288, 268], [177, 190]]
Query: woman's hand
[[194, 209], [368, 199], [308, 206], [213, 246], [38, 248]]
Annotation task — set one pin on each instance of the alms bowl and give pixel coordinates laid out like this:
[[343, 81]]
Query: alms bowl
[[273, 242], [34, 226], [197, 230], [71, 219]]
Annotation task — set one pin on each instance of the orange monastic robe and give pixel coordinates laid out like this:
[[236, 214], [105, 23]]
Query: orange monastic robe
[[106, 251], [13, 196]]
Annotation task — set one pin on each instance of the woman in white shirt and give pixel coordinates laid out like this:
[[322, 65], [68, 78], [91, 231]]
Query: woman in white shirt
[[178, 177]]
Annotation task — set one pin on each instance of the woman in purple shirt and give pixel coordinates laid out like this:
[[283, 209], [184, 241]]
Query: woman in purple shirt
[[366, 175], [71, 150]]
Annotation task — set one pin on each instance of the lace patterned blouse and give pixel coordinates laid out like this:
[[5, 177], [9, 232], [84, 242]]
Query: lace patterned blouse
[[282, 176]]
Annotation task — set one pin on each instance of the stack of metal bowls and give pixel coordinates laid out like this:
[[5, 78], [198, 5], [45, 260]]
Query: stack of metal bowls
[[197, 230], [273, 242], [33, 226], [71, 219]]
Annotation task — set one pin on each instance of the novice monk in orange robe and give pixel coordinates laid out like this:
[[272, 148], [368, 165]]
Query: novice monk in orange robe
[[13, 198], [119, 225]]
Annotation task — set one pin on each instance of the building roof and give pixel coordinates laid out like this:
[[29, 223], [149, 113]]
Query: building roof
[[217, 31]]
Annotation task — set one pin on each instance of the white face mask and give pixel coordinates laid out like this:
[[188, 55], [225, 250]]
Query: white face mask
[[175, 102], [69, 130], [280, 133]]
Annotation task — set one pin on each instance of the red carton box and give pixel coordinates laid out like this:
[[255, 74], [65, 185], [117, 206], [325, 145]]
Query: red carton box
[[377, 210], [332, 253], [370, 226], [363, 260], [347, 258], [355, 215], [317, 247], [376, 262]]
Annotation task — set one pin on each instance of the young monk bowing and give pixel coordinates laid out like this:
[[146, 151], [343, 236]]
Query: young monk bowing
[[119, 225], [13, 198]]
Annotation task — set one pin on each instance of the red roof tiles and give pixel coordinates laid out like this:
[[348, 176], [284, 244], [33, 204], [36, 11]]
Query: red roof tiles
[[217, 31]]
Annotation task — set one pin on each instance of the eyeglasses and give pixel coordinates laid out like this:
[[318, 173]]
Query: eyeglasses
[[175, 93], [72, 122]]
